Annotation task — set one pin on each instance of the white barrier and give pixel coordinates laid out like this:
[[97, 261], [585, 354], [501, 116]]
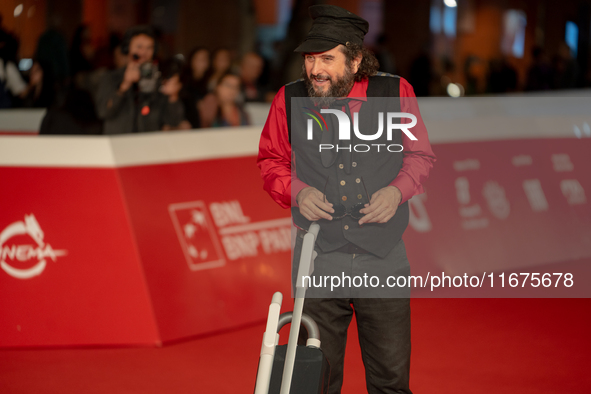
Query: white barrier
[[540, 105]]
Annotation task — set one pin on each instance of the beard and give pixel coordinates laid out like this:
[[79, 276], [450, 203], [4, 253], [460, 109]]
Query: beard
[[338, 87]]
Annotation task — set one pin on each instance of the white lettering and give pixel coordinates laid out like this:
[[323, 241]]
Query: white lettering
[[275, 240], [370, 137], [402, 126], [361, 148], [356, 148], [345, 125], [27, 252], [310, 127], [344, 122], [226, 213], [395, 151], [9, 252], [241, 245]]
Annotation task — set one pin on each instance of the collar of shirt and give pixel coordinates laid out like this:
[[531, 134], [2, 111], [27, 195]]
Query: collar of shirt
[[359, 90], [358, 95]]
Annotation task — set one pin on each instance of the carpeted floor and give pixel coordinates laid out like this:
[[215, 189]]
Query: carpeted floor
[[459, 346]]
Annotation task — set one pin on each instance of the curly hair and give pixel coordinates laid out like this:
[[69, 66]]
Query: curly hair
[[369, 64]]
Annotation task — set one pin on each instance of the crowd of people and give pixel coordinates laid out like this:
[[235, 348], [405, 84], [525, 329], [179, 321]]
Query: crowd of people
[[128, 88]]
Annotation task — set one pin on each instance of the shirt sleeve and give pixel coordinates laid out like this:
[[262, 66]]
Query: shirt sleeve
[[275, 154], [108, 101], [418, 156]]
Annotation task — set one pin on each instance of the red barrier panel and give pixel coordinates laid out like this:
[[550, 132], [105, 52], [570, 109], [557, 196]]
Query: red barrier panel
[[148, 253], [213, 245], [503, 206], [70, 272]]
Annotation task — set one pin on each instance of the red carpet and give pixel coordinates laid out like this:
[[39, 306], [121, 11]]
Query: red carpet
[[459, 346]]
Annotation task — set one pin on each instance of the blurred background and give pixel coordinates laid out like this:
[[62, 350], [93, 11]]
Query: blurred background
[[443, 47], [508, 191]]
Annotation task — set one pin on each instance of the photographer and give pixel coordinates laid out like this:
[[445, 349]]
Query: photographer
[[128, 99]]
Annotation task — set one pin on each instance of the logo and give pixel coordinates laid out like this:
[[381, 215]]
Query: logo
[[218, 232], [196, 234], [25, 260], [344, 123], [316, 119]]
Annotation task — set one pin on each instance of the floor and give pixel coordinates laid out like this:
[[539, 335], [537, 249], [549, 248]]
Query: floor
[[459, 346]]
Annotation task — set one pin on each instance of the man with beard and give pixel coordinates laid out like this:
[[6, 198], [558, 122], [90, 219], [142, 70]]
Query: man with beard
[[328, 186], [131, 98]]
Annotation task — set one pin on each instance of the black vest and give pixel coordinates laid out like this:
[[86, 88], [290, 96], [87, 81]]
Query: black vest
[[344, 186]]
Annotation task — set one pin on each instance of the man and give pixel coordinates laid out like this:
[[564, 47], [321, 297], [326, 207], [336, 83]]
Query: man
[[128, 99], [326, 186]]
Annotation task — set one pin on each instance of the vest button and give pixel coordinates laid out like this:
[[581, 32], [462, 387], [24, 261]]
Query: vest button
[[358, 180], [343, 183], [354, 164], [344, 198], [359, 196], [341, 166], [346, 227]]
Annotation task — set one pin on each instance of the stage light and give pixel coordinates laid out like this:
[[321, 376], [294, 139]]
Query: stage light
[[454, 90], [25, 64], [450, 3], [18, 10]]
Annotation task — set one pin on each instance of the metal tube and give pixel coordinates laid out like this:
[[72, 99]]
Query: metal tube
[[270, 338], [304, 270]]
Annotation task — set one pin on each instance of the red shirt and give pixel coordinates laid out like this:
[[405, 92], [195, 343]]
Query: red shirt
[[275, 154]]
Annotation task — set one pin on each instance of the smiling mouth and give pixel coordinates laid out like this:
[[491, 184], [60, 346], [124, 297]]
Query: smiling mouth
[[320, 81]]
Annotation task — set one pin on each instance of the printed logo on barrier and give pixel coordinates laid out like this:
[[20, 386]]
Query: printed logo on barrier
[[196, 234], [18, 257], [208, 233]]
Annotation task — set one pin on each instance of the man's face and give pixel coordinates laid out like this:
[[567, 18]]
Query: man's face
[[327, 73], [143, 47]]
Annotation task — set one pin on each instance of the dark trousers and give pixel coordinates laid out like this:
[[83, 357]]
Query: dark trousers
[[383, 325]]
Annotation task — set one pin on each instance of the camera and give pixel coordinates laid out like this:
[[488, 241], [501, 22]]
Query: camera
[[149, 76]]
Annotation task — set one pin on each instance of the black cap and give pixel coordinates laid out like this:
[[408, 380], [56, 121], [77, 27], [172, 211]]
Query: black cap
[[332, 26]]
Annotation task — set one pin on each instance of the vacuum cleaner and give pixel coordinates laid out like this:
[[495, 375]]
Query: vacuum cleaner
[[293, 369]]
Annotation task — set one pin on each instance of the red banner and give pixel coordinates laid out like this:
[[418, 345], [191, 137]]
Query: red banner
[[70, 272], [214, 246], [157, 252], [502, 205]]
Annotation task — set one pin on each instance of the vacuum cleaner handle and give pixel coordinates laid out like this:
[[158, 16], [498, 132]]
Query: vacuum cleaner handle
[[300, 294], [270, 340], [308, 322]]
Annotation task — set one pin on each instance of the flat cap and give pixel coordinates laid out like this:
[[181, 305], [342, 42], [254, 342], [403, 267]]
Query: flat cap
[[332, 26]]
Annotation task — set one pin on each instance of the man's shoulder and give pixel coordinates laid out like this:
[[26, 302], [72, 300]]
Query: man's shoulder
[[295, 88], [380, 74], [381, 80], [297, 81], [113, 75]]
